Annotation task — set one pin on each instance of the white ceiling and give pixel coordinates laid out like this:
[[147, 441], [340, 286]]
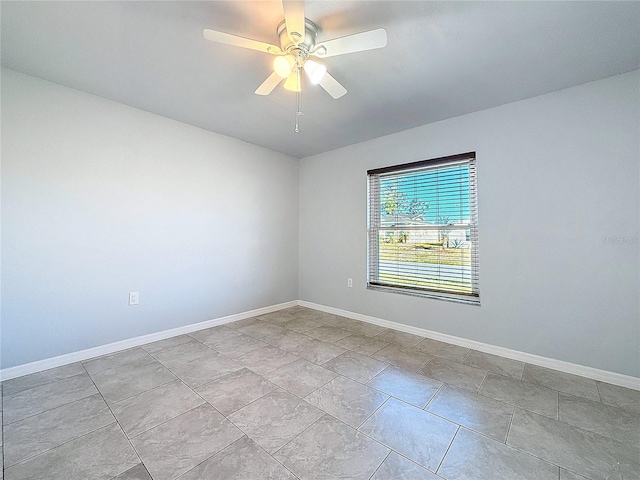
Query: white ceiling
[[443, 59]]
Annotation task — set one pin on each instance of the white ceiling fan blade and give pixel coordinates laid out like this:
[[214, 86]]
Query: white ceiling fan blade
[[294, 19], [228, 39], [332, 86], [269, 84], [352, 43]]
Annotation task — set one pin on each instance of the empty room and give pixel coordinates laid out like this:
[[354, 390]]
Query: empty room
[[279, 239]]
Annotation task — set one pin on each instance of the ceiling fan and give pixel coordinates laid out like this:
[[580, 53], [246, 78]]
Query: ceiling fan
[[298, 50]]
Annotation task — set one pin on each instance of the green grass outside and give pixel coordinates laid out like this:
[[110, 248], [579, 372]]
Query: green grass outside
[[425, 253]]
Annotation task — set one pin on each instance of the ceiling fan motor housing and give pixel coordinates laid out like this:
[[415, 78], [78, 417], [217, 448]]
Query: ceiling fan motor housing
[[310, 34]]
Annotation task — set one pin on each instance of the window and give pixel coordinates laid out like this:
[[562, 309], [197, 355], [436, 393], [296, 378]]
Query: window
[[423, 229]]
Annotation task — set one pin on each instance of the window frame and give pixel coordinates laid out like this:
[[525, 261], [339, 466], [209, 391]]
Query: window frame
[[374, 228]]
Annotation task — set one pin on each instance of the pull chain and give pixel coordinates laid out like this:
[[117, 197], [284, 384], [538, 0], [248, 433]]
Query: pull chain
[[298, 92]]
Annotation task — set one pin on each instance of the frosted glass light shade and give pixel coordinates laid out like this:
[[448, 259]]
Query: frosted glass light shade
[[282, 66], [314, 71], [293, 82]]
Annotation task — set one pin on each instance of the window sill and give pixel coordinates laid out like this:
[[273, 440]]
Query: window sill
[[447, 297]]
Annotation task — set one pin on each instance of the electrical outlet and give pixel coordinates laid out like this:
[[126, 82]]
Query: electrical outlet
[[349, 282], [134, 298]]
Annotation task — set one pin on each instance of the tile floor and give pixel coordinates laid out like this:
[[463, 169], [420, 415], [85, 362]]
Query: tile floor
[[304, 394]]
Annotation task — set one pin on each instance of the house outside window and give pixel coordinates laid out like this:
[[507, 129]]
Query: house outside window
[[423, 229]]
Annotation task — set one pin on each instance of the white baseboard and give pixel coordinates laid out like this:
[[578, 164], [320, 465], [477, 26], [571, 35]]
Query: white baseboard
[[47, 363], [567, 367]]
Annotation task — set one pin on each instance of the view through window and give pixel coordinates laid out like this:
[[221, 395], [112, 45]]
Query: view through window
[[423, 228]]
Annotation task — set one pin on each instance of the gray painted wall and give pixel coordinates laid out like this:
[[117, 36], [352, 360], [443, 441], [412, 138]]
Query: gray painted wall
[[559, 210], [100, 199]]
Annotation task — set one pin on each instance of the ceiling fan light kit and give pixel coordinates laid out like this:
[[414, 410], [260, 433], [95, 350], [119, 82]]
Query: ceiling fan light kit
[[282, 66], [297, 36]]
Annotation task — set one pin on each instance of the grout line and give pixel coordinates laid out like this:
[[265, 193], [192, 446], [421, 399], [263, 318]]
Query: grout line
[[513, 413], [482, 382], [52, 408], [466, 355], [599, 393], [373, 413], [209, 457], [440, 388], [448, 448], [378, 467], [303, 431], [24, 460]]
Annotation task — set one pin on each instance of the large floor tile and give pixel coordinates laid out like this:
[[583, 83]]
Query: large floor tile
[[408, 386], [396, 467], [260, 330], [495, 364], [242, 460], [402, 357], [301, 325], [567, 475], [329, 450], [612, 422], [139, 472], [529, 396], [214, 335], [318, 352], [125, 382], [289, 340], [454, 373], [338, 321], [266, 359], [412, 432], [235, 390], [327, 333], [301, 377], [563, 382], [451, 352], [475, 457], [149, 409], [205, 369], [303, 312], [403, 339], [363, 328], [114, 362], [278, 318], [577, 450], [32, 401], [102, 454], [360, 368], [275, 419], [362, 344], [176, 446], [26, 382], [476, 412], [243, 323], [347, 400], [33, 435], [235, 347], [182, 353], [166, 343], [619, 396]]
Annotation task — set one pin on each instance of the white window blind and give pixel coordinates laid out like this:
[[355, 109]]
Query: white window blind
[[423, 229]]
